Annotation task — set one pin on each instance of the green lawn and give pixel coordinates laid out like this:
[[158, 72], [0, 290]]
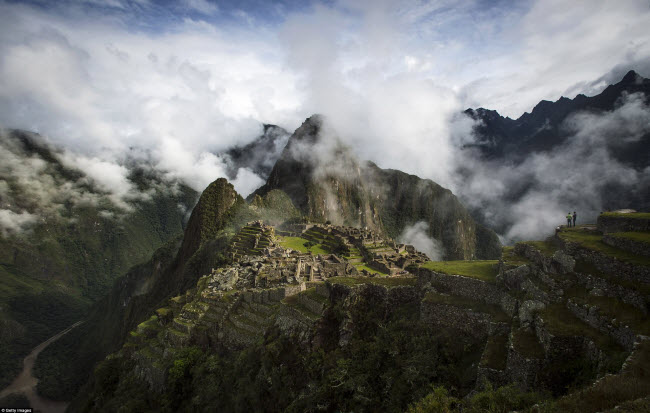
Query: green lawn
[[545, 247], [508, 255], [594, 240], [298, 244], [634, 236], [465, 302], [385, 281], [370, 270], [639, 215], [482, 270]]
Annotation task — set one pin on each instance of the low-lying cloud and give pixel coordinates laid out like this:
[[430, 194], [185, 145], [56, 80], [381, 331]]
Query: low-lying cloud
[[416, 235], [528, 200], [174, 88]]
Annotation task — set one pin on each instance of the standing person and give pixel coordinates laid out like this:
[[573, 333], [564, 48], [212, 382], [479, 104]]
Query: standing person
[[574, 218], [568, 219]]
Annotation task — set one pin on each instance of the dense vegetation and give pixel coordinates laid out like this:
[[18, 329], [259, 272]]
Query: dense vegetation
[[387, 365], [65, 365], [81, 240]]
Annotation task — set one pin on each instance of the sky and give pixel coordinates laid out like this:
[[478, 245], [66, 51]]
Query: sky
[[179, 81]]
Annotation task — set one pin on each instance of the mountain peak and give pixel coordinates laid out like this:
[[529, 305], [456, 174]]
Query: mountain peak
[[631, 77]]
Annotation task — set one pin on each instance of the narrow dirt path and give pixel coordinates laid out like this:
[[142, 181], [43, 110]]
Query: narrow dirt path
[[26, 383]]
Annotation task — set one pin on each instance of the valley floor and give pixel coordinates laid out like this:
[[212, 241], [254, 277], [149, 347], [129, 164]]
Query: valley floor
[[26, 383]]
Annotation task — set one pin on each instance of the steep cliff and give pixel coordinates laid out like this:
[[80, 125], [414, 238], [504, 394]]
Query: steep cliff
[[327, 182], [173, 268]]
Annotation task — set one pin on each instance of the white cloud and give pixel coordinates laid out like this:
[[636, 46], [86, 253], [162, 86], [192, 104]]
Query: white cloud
[[416, 235], [390, 76], [570, 178], [11, 222]]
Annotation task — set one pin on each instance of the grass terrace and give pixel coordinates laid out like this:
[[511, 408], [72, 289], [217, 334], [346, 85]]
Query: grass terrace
[[508, 255], [370, 270], [485, 270], [299, 244], [385, 281], [638, 215], [625, 314], [594, 240], [311, 293], [457, 301], [293, 301], [545, 247], [643, 237], [587, 268], [561, 322]]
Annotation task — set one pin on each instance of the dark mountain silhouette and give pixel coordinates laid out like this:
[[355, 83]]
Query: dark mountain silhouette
[[542, 129]]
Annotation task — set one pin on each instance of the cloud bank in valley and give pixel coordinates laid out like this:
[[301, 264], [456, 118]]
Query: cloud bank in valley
[[179, 86]]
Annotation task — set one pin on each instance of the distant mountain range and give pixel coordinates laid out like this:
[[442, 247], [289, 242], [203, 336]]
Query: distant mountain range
[[543, 128]]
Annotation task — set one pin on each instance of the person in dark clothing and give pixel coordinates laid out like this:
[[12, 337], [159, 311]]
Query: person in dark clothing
[[574, 218], [568, 219]]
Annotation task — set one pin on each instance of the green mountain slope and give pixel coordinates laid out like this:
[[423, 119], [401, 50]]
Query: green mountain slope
[[73, 242], [220, 211]]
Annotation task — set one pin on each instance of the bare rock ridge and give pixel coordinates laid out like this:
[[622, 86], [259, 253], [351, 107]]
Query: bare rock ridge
[[326, 182]]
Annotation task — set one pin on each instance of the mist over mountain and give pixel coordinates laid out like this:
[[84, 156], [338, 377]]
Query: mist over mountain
[[588, 154], [328, 183], [258, 156], [66, 234]]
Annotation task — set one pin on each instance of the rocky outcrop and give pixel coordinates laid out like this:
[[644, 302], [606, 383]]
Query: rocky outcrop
[[557, 263]]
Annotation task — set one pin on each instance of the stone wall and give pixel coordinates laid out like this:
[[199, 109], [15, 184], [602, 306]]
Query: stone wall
[[521, 370], [449, 316], [312, 305], [497, 378], [603, 287], [559, 348], [607, 264], [607, 223], [635, 247], [558, 263], [467, 287], [622, 334]]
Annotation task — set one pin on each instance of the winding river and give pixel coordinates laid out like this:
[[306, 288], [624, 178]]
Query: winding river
[[26, 383]]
